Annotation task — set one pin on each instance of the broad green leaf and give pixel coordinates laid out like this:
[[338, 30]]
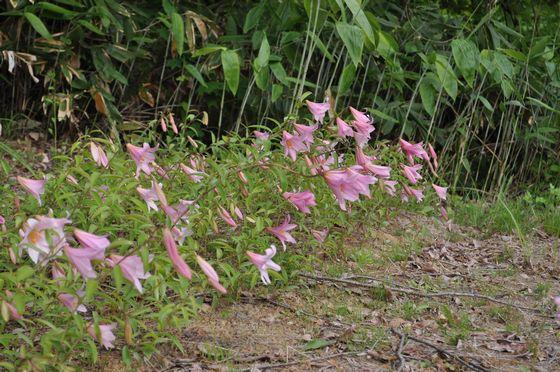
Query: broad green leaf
[[361, 19], [346, 78], [486, 103], [230, 64], [277, 90], [90, 26], [504, 64], [353, 40], [38, 25], [428, 95], [55, 8], [24, 272], [446, 76], [196, 74], [317, 343], [279, 73], [178, 31], [264, 55], [466, 56], [514, 54], [253, 18], [387, 46], [261, 78], [208, 49]]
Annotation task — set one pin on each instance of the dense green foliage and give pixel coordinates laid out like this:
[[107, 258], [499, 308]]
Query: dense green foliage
[[479, 79]]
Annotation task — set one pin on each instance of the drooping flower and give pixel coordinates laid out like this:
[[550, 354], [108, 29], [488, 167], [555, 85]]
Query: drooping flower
[[172, 122], [440, 191], [163, 124], [443, 212], [150, 196], [106, 336], [366, 162], [348, 184], [88, 240], [71, 302], [238, 212], [144, 157], [211, 274], [301, 200], [411, 172], [181, 233], [433, 154], [318, 110], [413, 150], [389, 186], [264, 262], [132, 268], [320, 235], [409, 191], [227, 217], [43, 236], [282, 232], [242, 177], [179, 211], [178, 263], [343, 129], [98, 155], [81, 259], [193, 174], [34, 187], [261, 136], [292, 145], [306, 132], [361, 117], [71, 179]]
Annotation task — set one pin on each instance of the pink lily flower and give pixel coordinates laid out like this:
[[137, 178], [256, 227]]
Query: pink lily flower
[[179, 211], [150, 196], [106, 336], [363, 128], [433, 154], [178, 263], [13, 313], [180, 233], [443, 212], [409, 191], [389, 187], [301, 200], [2, 220], [163, 124], [88, 240], [264, 262], [282, 232], [238, 212], [98, 155], [72, 303], [144, 157], [34, 187], [211, 274], [440, 191], [193, 174], [412, 150], [343, 129], [348, 184], [366, 162], [292, 145], [34, 237], [226, 217], [411, 172], [306, 132], [172, 122], [320, 235], [131, 267], [361, 117], [262, 136], [242, 177], [71, 179], [81, 259], [318, 110]]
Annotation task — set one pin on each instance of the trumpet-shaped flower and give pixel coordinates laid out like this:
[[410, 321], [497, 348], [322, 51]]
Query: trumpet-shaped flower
[[433, 155], [132, 268], [98, 155], [81, 259], [71, 302], [150, 196], [211, 274], [348, 184], [440, 191], [264, 262], [178, 263], [292, 145], [306, 132], [106, 336], [366, 162], [361, 117], [413, 150], [320, 235], [193, 174], [179, 211], [411, 172], [34, 187], [409, 191], [343, 129], [318, 110], [144, 157], [88, 240], [227, 217], [301, 200], [282, 232], [43, 237], [261, 136], [389, 187]]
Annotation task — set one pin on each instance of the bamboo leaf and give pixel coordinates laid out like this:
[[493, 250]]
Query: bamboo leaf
[[178, 31], [38, 25], [353, 40], [230, 64]]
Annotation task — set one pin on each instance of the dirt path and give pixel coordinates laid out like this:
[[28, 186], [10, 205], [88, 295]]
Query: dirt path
[[400, 298]]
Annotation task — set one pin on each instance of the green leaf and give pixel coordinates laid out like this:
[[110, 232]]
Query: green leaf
[[486, 103], [277, 90], [178, 31], [466, 56], [361, 19], [279, 72], [317, 343], [38, 25], [253, 18], [230, 64], [387, 45], [91, 288], [428, 96], [90, 26], [24, 272], [353, 40], [55, 8], [264, 55], [504, 64], [346, 78], [196, 74], [446, 76], [208, 49], [261, 78], [383, 116]]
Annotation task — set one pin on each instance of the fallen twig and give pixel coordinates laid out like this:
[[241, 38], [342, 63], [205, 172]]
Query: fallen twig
[[440, 350], [414, 292], [402, 360], [313, 360]]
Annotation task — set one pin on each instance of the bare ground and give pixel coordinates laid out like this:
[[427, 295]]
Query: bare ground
[[396, 298]]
